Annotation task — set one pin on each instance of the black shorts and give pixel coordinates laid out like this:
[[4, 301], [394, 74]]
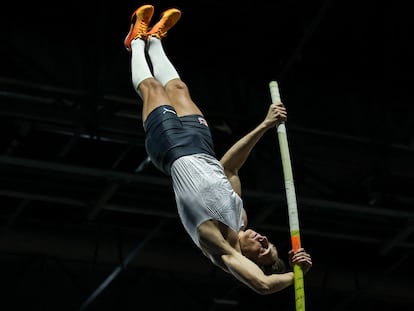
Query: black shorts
[[169, 137]]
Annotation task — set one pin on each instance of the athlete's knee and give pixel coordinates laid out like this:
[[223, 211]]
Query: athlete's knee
[[153, 93], [152, 85], [176, 85]]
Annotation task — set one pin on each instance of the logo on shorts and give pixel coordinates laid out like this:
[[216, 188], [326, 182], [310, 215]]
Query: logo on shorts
[[168, 110], [202, 121]]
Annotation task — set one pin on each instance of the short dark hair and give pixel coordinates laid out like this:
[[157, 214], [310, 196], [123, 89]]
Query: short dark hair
[[277, 267]]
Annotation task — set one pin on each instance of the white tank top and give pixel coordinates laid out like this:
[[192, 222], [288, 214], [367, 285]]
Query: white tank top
[[203, 192]]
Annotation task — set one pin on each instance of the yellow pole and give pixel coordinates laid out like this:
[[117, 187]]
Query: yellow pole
[[291, 200]]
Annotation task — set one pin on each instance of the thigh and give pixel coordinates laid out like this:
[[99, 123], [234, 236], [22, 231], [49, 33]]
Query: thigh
[[180, 98], [154, 96]]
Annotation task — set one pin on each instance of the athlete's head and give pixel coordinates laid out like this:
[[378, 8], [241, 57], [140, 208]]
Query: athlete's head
[[258, 249]]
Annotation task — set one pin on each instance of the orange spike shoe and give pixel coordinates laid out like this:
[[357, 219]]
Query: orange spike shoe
[[140, 20], [168, 19]]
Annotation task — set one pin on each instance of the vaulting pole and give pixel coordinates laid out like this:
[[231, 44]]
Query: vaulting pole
[[291, 201]]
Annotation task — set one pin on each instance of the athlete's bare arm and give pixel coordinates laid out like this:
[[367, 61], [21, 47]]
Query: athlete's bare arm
[[226, 254], [237, 155]]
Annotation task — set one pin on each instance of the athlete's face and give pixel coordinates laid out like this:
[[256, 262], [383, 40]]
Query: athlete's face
[[257, 248]]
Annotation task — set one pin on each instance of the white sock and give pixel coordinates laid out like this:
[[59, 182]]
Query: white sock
[[140, 69], [163, 69]]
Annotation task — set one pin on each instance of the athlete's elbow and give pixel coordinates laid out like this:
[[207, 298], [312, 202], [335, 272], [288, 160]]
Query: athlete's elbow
[[262, 288], [267, 286]]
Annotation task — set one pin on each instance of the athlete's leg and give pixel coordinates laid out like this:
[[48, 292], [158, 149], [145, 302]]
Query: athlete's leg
[[163, 86], [150, 90], [165, 72]]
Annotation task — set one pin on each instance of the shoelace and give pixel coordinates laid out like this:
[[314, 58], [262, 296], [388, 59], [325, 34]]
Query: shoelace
[[142, 27]]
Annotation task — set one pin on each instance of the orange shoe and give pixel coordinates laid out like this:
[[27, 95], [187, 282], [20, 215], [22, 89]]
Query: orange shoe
[[140, 20], [168, 19]]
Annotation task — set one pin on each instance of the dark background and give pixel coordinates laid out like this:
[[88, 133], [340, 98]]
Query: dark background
[[88, 224]]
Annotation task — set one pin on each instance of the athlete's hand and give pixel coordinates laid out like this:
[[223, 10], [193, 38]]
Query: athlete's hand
[[276, 114], [301, 258]]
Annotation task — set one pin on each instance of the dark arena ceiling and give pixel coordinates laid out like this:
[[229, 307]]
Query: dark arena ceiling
[[87, 223]]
